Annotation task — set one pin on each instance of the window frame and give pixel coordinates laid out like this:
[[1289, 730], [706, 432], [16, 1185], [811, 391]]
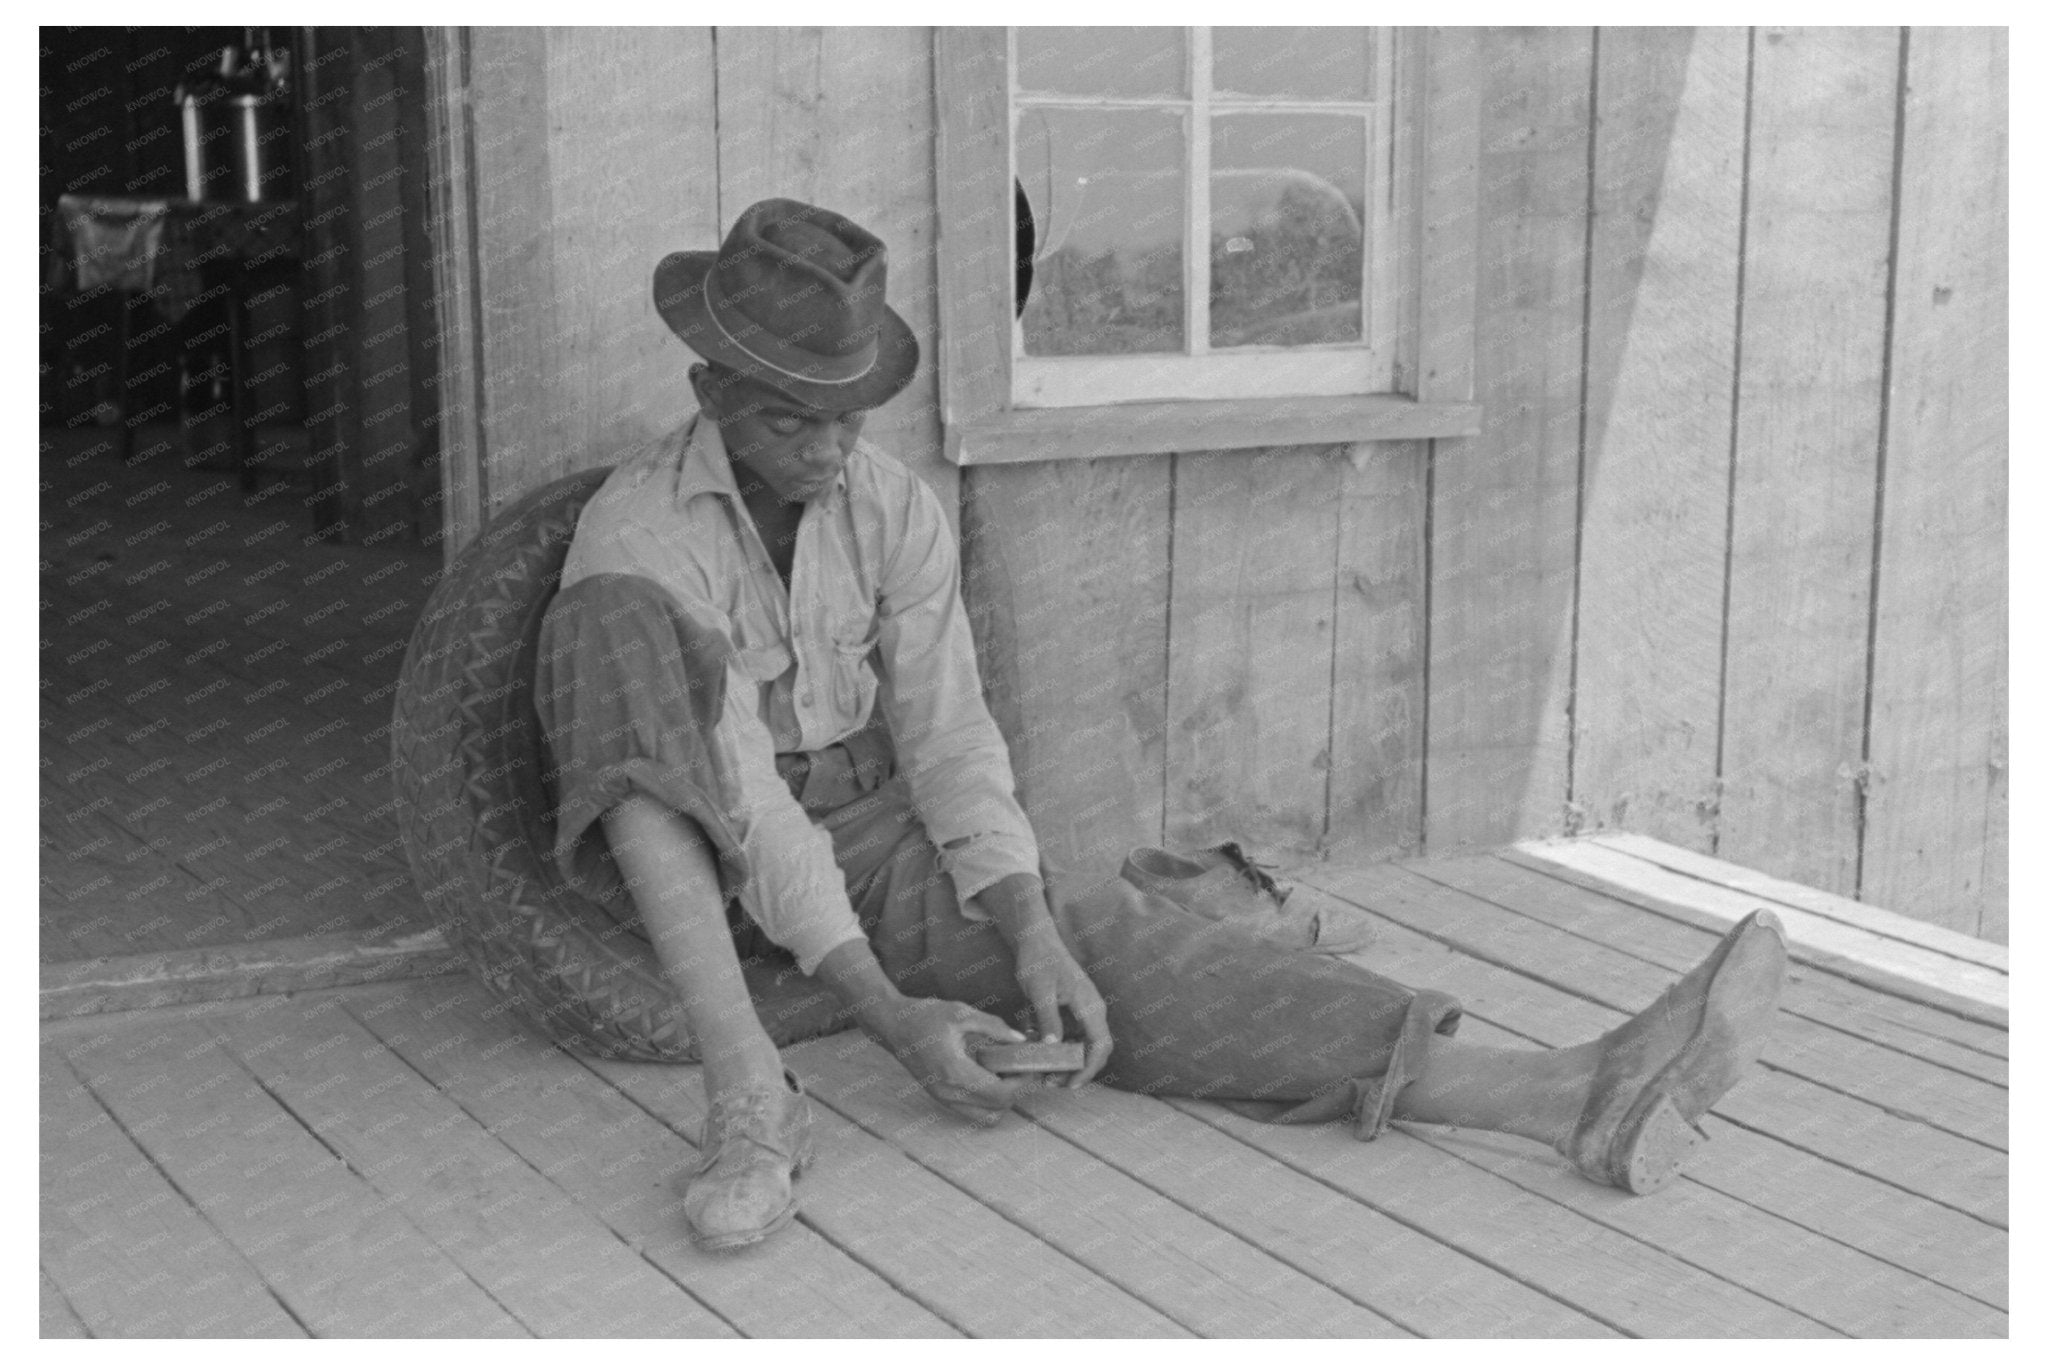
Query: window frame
[[1431, 283]]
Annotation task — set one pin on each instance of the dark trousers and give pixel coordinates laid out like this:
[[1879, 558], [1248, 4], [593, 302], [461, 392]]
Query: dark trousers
[[628, 686]]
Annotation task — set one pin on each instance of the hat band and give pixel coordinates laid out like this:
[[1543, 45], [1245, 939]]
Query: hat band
[[711, 308]]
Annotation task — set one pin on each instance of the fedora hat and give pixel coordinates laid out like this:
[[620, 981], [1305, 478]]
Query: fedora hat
[[794, 299]]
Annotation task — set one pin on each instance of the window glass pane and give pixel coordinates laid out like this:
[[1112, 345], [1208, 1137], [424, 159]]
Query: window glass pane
[[1294, 63], [1124, 63], [1287, 241], [1107, 195]]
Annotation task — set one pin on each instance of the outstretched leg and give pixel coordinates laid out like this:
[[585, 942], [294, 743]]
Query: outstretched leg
[[1529, 1092], [1207, 1010]]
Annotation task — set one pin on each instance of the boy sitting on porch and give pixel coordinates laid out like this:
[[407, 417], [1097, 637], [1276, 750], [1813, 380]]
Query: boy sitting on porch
[[760, 698]]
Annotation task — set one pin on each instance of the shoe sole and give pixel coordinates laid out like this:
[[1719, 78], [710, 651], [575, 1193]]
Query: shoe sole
[[1654, 1143], [1656, 1147]]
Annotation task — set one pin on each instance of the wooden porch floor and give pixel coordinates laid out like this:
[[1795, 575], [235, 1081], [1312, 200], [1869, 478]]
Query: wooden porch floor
[[398, 1159]]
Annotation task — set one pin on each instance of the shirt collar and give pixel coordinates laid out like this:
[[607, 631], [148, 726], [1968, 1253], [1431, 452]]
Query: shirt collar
[[707, 468]]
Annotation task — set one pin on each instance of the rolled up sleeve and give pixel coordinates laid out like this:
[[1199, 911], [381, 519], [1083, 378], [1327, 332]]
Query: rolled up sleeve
[[947, 745]]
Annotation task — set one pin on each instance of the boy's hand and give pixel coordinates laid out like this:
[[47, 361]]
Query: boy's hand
[[931, 1039], [1047, 974]]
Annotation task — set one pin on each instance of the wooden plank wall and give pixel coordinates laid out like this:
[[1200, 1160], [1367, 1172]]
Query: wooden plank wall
[[595, 152], [1724, 567], [1704, 521]]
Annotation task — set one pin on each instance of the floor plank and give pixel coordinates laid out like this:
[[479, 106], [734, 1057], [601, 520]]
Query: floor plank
[[545, 1259], [1908, 1020], [1632, 1288], [1840, 1060], [965, 1262], [122, 1250], [1877, 1218], [1202, 1276], [285, 1200], [1962, 1174], [1414, 1279], [1735, 877], [1886, 964], [625, 1167], [54, 1318], [1827, 1000], [1773, 1257]]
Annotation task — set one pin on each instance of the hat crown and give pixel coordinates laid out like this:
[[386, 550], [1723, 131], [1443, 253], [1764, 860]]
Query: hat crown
[[792, 277], [796, 298]]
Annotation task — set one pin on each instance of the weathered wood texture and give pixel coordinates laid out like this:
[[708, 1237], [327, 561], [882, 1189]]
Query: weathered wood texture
[[409, 1159], [1718, 569], [1817, 243], [1504, 505], [595, 152], [1660, 347], [1935, 843]]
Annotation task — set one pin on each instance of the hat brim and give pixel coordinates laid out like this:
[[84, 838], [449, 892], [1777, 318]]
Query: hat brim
[[679, 298]]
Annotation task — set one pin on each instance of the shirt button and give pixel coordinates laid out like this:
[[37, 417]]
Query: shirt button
[[806, 699]]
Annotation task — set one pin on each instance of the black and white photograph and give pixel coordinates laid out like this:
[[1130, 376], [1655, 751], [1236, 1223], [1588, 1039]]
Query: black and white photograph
[[1023, 681]]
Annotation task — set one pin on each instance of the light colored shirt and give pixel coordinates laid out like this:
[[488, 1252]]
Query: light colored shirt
[[872, 615]]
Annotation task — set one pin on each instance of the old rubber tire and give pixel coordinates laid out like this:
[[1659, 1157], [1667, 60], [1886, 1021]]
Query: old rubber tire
[[476, 818]]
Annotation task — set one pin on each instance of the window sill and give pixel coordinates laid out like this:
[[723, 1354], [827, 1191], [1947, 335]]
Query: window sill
[[1021, 435]]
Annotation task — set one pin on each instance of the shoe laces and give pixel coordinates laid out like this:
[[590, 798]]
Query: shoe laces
[[741, 1116], [1259, 874]]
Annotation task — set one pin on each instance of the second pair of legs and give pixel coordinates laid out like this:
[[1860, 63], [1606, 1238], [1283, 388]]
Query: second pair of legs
[[1622, 1107]]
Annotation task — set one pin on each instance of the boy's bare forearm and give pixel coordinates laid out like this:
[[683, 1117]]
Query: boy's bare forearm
[[852, 973]]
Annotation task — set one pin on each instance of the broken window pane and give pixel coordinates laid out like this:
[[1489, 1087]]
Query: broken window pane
[[1107, 188], [1287, 238]]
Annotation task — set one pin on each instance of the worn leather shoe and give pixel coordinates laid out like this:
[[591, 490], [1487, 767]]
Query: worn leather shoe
[[1224, 883], [756, 1142], [1663, 1069]]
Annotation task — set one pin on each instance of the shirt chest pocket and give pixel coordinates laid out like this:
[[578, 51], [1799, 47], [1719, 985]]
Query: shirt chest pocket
[[853, 683]]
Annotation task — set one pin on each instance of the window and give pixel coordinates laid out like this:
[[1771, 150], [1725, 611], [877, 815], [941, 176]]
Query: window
[[1160, 238], [1222, 196]]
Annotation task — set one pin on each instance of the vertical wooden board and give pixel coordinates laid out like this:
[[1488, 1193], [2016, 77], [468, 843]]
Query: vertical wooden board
[[1667, 182], [1073, 556], [451, 219], [1249, 647], [346, 1262], [1377, 674], [517, 297], [1504, 510], [120, 1247], [1937, 722], [1817, 248], [633, 175], [843, 117]]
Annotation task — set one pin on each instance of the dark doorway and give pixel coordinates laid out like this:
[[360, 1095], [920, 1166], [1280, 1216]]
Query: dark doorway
[[240, 500]]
